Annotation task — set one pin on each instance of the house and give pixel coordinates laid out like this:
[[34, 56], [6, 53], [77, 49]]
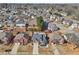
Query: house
[[32, 25], [10, 23], [2, 35], [1, 30], [75, 26], [56, 38], [11, 17], [21, 38], [63, 14], [52, 27], [1, 23], [52, 17], [67, 22], [33, 17], [59, 19], [33, 22], [6, 37], [14, 12], [20, 23], [40, 38], [72, 38]]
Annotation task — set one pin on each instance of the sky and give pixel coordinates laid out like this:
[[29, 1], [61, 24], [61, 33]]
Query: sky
[[39, 1]]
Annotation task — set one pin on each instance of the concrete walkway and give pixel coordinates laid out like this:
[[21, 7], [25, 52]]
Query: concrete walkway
[[35, 49], [55, 49], [15, 48]]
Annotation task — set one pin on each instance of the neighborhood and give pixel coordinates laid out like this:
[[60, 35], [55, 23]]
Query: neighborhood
[[26, 27]]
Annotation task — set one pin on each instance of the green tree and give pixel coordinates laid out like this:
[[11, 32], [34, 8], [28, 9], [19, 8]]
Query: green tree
[[40, 22], [35, 8]]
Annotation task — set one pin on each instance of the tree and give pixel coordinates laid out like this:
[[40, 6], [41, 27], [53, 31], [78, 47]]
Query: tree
[[35, 8], [58, 14], [40, 22]]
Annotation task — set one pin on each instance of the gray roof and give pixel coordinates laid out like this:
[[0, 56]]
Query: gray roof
[[56, 36], [52, 26], [2, 34], [10, 17], [73, 38], [19, 36], [20, 21], [9, 22], [33, 22], [1, 23], [68, 21], [39, 38]]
